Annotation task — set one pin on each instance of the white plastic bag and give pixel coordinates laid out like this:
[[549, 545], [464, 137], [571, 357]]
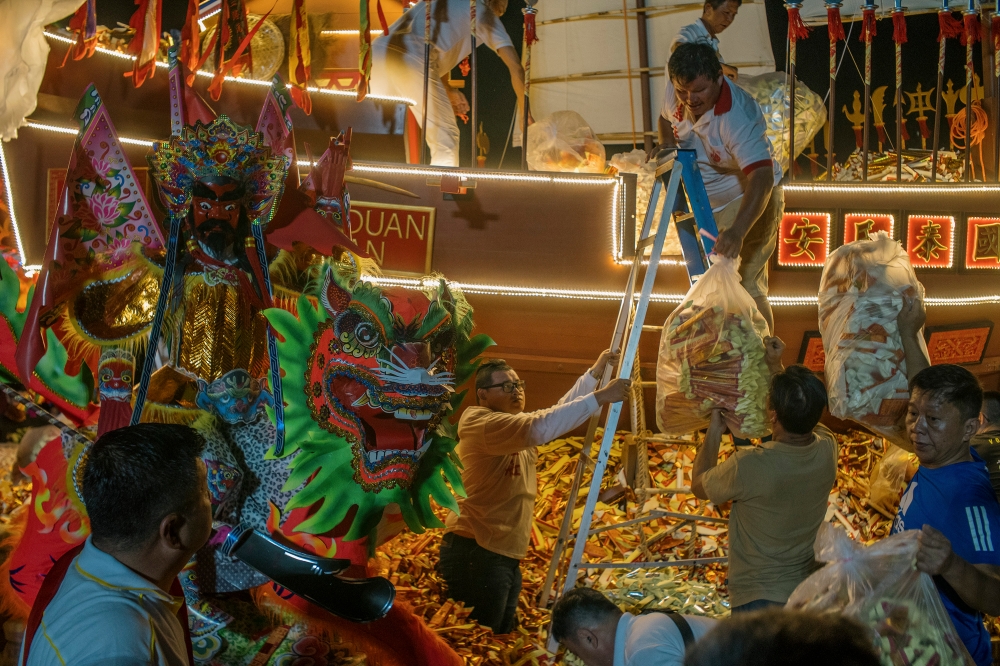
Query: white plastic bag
[[771, 92], [860, 295], [712, 356], [564, 141], [880, 586], [636, 162]]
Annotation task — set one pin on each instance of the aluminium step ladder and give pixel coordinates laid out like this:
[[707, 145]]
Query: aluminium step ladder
[[697, 231]]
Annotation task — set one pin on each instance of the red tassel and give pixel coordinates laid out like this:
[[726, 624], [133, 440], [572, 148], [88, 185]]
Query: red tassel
[[215, 88], [971, 33], [948, 26], [381, 18], [925, 131], [529, 28], [834, 27], [302, 99], [465, 67], [903, 132], [796, 28], [868, 25], [898, 28]]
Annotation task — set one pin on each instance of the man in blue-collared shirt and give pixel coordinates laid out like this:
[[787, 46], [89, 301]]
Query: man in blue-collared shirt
[[951, 501], [118, 602]]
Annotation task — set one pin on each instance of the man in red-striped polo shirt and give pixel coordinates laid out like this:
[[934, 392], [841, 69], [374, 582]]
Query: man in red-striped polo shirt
[[705, 112]]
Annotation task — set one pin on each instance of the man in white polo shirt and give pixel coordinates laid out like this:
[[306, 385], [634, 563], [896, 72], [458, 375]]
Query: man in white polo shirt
[[705, 112], [716, 16], [116, 601], [590, 626]]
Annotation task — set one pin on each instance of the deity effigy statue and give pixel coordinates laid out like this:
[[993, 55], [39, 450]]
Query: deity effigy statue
[[323, 397]]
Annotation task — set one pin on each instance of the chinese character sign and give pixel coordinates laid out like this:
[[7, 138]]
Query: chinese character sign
[[859, 225], [982, 245], [399, 238], [804, 239], [930, 240]]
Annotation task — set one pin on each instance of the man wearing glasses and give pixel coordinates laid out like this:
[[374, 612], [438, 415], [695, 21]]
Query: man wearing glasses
[[484, 544]]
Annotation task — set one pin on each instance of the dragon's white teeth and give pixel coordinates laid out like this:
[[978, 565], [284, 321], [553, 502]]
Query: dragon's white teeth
[[414, 414], [381, 454]]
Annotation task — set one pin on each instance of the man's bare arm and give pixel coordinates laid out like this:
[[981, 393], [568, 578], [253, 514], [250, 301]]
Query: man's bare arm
[[910, 322], [708, 455], [760, 182], [513, 62]]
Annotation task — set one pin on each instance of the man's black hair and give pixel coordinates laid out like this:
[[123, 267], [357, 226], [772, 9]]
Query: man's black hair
[[689, 61], [484, 375], [953, 384], [718, 3], [580, 607], [135, 476], [782, 637], [991, 407], [798, 398]]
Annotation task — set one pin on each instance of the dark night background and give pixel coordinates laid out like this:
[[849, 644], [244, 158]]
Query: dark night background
[[919, 66]]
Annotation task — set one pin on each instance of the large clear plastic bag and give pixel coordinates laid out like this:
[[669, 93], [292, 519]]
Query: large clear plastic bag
[[564, 141], [771, 92], [861, 293], [712, 357], [645, 170], [880, 586]]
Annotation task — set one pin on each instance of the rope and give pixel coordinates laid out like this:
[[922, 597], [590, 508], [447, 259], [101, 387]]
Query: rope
[[628, 65], [979, 125]]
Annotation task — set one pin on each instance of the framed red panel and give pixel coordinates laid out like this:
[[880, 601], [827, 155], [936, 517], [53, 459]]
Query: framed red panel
[[804, 239], [961, 344], [811, 352], [399, 238], [930, 240], [982, 244], [859, 225]]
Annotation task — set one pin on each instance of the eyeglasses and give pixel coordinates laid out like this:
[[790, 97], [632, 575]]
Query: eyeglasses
[[508, 386]]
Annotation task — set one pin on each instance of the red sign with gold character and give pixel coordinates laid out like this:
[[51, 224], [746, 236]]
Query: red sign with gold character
[[859, 225], [930, 240], [804, 239], [399, 238], [982, 245]]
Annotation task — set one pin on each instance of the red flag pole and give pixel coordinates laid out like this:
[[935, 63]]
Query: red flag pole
[[899, 37], [835, 31], [867, 34], [971, 36], [530, 37], [796, 30]]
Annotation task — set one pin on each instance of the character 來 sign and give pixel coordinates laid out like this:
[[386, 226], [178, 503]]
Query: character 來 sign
[[399, 238]]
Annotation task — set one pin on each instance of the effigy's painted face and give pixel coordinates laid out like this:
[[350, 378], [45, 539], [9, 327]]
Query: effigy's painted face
[[236, 397], [216, 207], [115, 373]]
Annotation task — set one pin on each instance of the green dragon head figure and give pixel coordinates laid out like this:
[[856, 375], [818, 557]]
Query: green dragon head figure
[[370, 377]]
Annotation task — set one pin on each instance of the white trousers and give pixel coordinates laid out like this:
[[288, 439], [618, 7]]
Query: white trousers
[[401, 74]]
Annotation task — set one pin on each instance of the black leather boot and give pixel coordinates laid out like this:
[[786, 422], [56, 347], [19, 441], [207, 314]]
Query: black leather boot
[[312, 577]]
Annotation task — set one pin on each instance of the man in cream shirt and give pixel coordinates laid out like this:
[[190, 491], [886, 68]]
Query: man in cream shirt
[[482, 550]]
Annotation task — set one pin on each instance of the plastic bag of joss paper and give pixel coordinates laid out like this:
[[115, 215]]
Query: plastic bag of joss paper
[[712, 357], [861, 293], [880, 586]]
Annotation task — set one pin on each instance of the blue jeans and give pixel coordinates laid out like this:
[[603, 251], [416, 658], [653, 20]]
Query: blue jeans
[[759, 604], [488, 582]]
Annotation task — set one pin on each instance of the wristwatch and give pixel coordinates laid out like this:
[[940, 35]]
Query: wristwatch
[[595, 374]]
